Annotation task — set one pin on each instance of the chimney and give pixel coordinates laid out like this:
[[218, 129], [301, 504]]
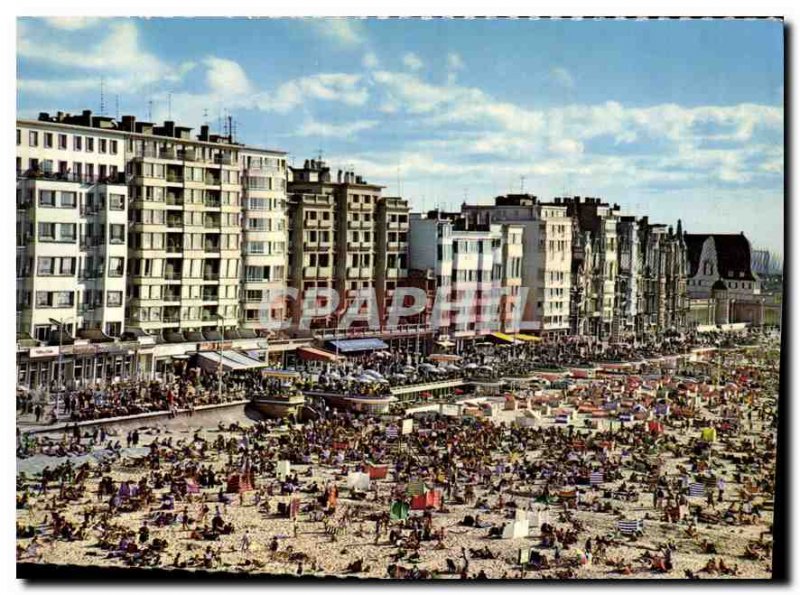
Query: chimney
[[169, 128], [44, 116], [339, 176], [129, 123], [204, 132]]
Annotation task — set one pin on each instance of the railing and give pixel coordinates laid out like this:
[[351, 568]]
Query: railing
[[212, 181], [172, 276], [210, 276], [175, 179], [211, 248], [213, 203], [118, 178]]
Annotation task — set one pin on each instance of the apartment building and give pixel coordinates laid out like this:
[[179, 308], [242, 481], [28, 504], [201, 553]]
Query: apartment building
[[185, 231], [628, 322], [346, 236], [72, 211], [264, 247], [595, 266], [391, 249], [546, 256], [472, 264]]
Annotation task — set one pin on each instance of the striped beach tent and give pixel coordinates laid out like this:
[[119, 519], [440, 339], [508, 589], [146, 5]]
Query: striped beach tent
[[697, 490], [595, 478], [630, 527], [562, 419], [625, 417]]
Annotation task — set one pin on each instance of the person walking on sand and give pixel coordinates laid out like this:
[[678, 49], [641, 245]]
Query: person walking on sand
[[246, 541]]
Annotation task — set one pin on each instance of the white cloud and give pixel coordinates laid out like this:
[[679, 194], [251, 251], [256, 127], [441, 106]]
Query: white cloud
[[563, 77], [119, 57], [346, 130], [72, 23], [412, 61], [370, 61], [226, 77], [566, 146], [343, 31], [454, 61]]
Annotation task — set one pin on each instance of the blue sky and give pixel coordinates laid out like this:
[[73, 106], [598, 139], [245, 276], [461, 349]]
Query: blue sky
[[667, 118]]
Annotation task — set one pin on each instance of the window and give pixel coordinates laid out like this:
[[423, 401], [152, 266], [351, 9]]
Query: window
[[19, 136], [48, 140], [33, 138], [89, 144], [63, 299], [255, 248], [62, 141], [67, 267], [116, 233], [47, 231], [116, 266], [67, 232], [77, 143], [42, 299], [113, 147], [47, 198], [116, 202], [69, 200], [113, 299], [45, 266], [103, 143]]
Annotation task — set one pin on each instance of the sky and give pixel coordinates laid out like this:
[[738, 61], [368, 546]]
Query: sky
[[671, 119]]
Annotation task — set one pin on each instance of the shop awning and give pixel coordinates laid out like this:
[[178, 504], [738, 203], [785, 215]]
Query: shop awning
[[502, 337], [230, 360], [445, 343], [286, 374], [444, 357], [527, 338], [355, 345], [318, 355]]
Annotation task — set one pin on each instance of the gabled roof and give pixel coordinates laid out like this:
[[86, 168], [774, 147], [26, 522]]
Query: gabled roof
[[733, 255]]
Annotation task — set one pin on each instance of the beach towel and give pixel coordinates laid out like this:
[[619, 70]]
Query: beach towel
[[376, 471]]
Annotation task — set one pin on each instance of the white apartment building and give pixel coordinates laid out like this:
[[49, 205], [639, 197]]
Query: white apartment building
[[264, 248], [72, 213], [472, 263], [546, 254]]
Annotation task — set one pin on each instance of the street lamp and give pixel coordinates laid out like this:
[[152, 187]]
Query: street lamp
[[60, 324]]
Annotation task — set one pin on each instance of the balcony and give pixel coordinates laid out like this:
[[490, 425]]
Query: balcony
[[210, 296], [172, 275], [175, 247], [35, 174], [174, 178], [187, 155], [213, 203], [210, 223], [172, 296], [223, 160], [166, 154], [174, 221], [213, 181], [211, 276], [211, 247], [174, 200]]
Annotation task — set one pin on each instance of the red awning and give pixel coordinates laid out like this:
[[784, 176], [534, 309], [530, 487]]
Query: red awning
[[315, 354]]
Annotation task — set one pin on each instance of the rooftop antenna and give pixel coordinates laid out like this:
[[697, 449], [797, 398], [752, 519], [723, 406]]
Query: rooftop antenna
[[320, 153], [205, 116], [230, 127], [149, 110], [102, 96]]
